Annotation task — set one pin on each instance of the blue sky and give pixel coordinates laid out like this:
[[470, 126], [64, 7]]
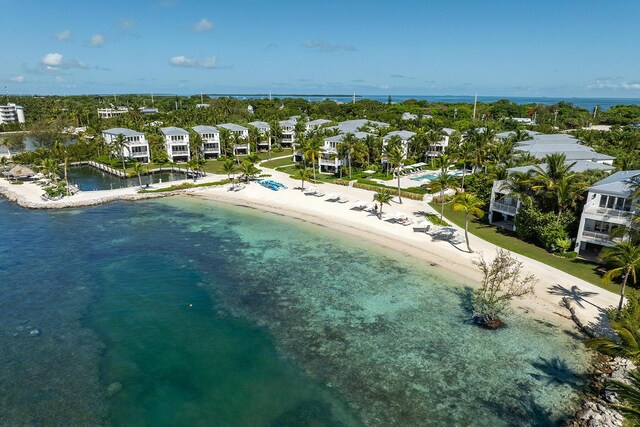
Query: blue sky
[[511, 48]]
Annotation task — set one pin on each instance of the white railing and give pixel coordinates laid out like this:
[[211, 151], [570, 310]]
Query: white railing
[[328, 162], [510, 209], [597, 235]]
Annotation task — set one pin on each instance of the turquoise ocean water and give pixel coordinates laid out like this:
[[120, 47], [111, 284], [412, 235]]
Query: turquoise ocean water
[[184, 312]]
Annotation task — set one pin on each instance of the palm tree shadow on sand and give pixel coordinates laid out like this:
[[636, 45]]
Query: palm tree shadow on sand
[[578, 296]]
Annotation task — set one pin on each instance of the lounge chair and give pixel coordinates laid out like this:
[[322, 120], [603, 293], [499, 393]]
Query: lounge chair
[[343, 199]]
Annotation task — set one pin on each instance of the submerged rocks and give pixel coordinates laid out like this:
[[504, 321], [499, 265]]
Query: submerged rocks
[[114, 388], [34, 332]]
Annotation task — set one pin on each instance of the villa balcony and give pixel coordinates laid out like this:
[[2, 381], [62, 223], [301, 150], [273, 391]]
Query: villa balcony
[[599, 238], [607, 213], [329, 162], [180, 152], [503, 207]]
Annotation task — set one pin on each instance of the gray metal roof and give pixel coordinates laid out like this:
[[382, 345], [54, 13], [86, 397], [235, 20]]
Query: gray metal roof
[[579, 166], [620, 183], [318, 122], [352, 126], [287, 123], [405, 135], [448, 131], [205, 129], [340, 137], [172, 130], [505, 135], [260, 125], [233, 127], [122, 131]]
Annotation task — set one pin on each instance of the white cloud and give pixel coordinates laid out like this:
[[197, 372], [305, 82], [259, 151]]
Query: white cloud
[[203, 25], [186, 62], [17, 79], [52, 59], [97, 40], [59, 79], [127, 24], [615, 84], [63, 35], [324, 46]]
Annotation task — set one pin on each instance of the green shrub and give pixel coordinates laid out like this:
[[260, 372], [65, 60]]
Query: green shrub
[[374, 186], [435, 219], [544, 228]]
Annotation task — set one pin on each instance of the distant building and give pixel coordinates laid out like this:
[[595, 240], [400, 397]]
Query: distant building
[[11, 113], [107, 113], [316, 124], [210, 140], [609, 205], [203, 105], [524, 120], [136, 145], [250, 109], [176, 143], [240, 132], [358, 125], [148, 110]]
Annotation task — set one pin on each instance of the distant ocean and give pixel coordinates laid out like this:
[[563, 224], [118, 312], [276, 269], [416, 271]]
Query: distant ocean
[[587, 103]]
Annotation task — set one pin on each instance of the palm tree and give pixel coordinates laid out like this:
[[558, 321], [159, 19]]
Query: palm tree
[[383, 196], [313, 150], [518, 184], [625, 258], [303, 174], [348, 146], [138, 169], [195, 144], [444, 180], [275, 132], [629, 393], [395, 158], [225, 140], [66, 169], [470, 205], [229, 167], [50, 168], [248, 169], [119, 145], [627, 344]]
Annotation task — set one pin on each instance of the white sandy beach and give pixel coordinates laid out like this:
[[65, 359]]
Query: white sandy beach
[[552, 286]]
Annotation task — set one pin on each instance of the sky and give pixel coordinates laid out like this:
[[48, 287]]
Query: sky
[[566, 48]]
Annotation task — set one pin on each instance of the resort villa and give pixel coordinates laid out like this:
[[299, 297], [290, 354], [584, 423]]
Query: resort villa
[[609, 205], [210, 141], [330, 161], [404, 137], [176, 143], [11, 113], [288, 134], [264, 129], [436, 149], [504, 207], [240, 136], [135, 147], [316, 124], [107, 113]]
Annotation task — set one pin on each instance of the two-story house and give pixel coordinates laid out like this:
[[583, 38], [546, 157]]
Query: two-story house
[[176, 143], [135, 146], [239, 138], [264, 129], [210, 140], [610, 204]]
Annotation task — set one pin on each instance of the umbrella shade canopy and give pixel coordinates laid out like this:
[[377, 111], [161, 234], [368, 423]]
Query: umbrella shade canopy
[[399, 215], [447, 230], [423, 223], [369, 171], [312, 188], [333, 196], [20, 171]]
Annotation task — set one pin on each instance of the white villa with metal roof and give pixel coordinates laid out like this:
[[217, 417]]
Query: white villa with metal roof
[[609, 205], [264, 129], [210, 136], [136, 145], [288, 133], [240, 132], [404, 135], [329, 161], [176, 143], [504, 207], [439, 147], [352, 126], [316, 124]]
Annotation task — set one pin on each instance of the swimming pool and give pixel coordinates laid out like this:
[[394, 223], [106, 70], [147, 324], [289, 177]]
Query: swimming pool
[[429, 176]]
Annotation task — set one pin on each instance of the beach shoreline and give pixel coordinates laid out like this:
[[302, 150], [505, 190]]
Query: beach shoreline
[[553, 285]]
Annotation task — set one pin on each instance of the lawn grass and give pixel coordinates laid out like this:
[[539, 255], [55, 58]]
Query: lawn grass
[[276, 163], [587, 271]]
